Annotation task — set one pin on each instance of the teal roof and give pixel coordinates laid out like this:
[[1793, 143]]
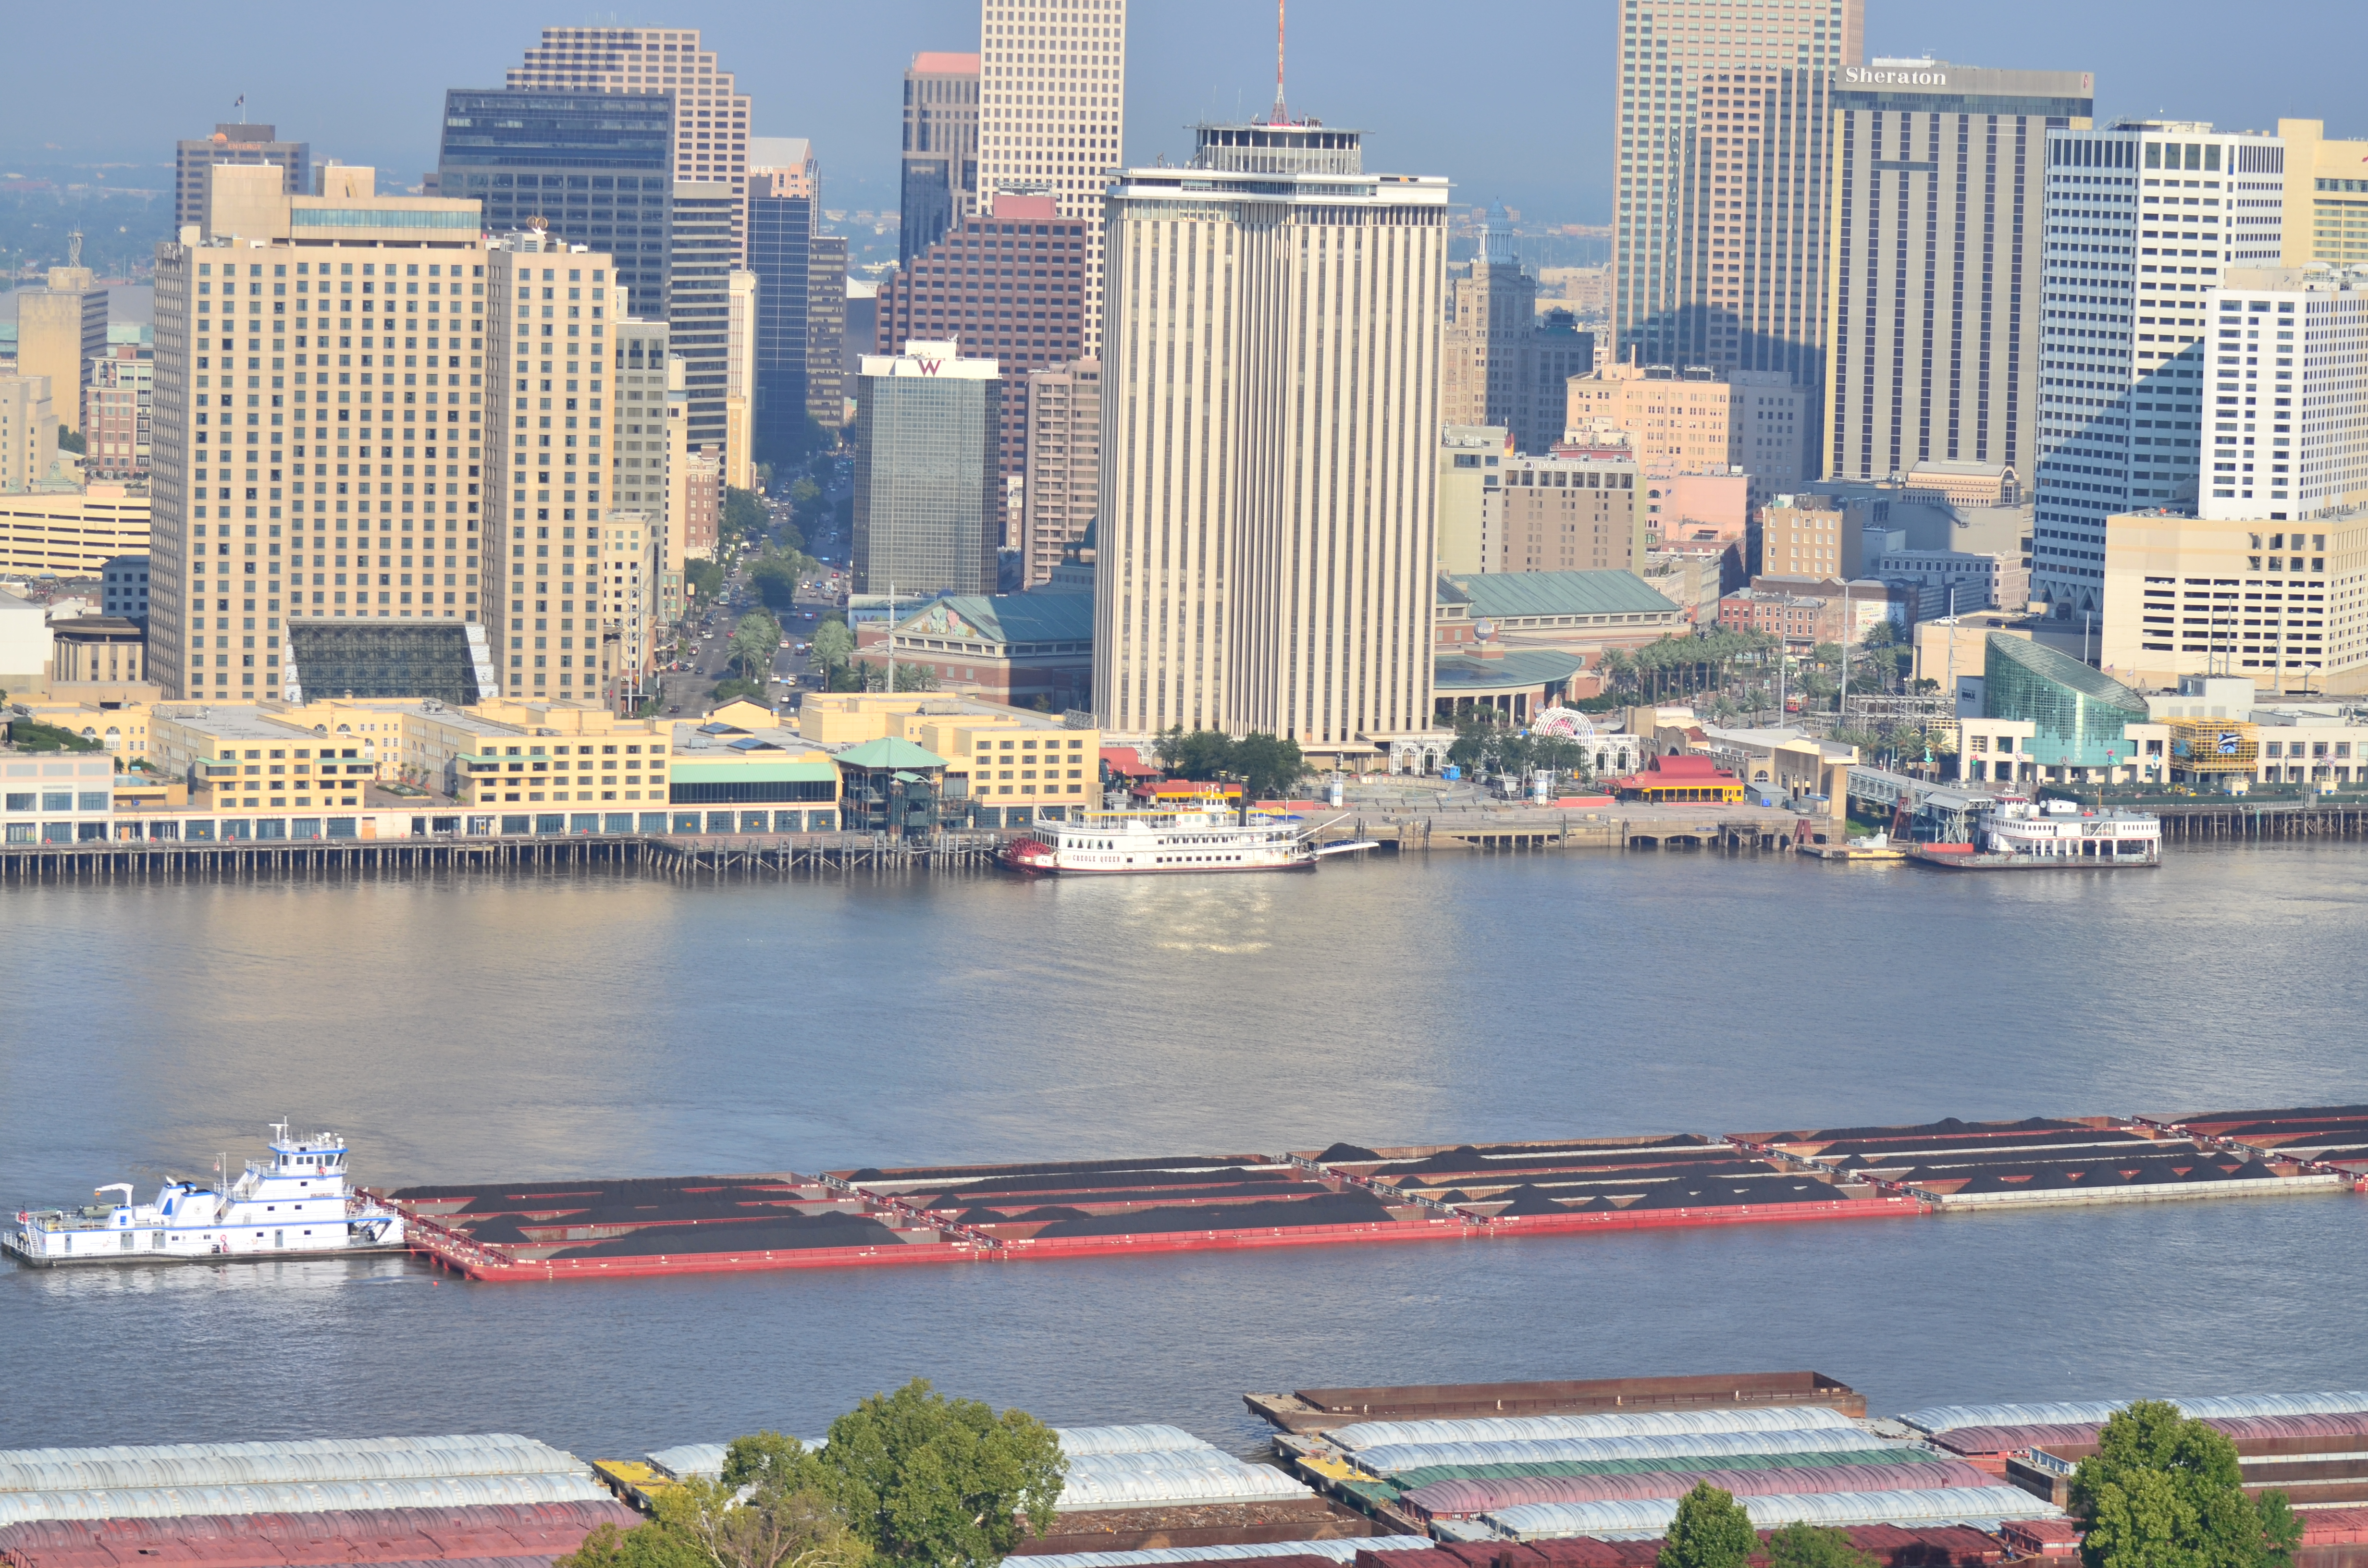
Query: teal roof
[[1511, 595], [1039, 617], [892, 752], [1461, 675]]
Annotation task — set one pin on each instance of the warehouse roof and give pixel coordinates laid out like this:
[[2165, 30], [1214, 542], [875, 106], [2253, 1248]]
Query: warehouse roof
[[1005, 618], [1521, 595]]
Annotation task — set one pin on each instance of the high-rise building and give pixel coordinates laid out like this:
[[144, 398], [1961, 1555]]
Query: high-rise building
[[118, 407], [928, 507], [1698, 421], [2329, 180], [826, 352], [784, 200], [1025, 315], [266, 506], [940, 174], [2143, 220], [740, 381], [588, 166], [233, 143], [1939, 235], [638, 479], [29, 431], [1719, 239], [699, 303], [60, 330], [702, 493], [1264, 549], [1490, 310], [710, 120], [2291, 450], [1052, 118], [1062, 480]]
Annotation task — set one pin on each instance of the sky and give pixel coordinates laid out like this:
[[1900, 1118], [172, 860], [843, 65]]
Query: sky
[[1510, 98]]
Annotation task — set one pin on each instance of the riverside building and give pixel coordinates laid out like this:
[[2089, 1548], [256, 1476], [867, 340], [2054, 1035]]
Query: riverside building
[[1938, 239], [287, 420], [928, 509], [2143, 220], [1264, 550], [1719, 245]]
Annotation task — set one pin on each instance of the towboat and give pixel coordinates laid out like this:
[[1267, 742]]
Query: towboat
[[296, 1203]]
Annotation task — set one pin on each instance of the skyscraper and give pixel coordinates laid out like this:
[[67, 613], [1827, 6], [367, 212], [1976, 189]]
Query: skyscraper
[[60, 331], [1052, 118], [826, 345], [929, 508], [784, 189], [2329, 180], [1719, 220], [244, 406], [940, 174], [591, 167], [1063, 482], [2143, 222], [1938, 239], [698, 308], [711, 138], [739, 378], [1490, 311], [1264, 559], [233, 143]]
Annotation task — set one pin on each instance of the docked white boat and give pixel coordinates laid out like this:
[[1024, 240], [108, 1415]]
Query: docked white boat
[[2016, 834], [297, 1203], [1201, 836]]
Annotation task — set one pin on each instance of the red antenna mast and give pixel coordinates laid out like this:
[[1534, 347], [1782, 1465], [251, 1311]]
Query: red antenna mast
[[1281, 115]]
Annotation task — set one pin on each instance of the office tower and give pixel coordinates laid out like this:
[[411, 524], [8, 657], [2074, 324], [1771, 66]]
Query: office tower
[[1471, 485], [1264, 553], [1062, 480], [1719, 224], [2329, 180], [698, 303], [60, 330], [242, 408], [549, 341], [1698, 421], [2292, 450], [826, 354], [928, 507], [1564, 512], [784, 196], [29, 431], [940, 174], [1054, 118], [739, 379], [2142, 220], [1026, 315], [237, 143], [118, 407], [1554, 351], [589, 168], [1489, 313], [1939, 234], [639, 482], [710, 120]]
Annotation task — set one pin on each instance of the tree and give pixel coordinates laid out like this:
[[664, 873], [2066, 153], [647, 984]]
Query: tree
[[745, 517], [2164, 1491], [69, 440], [774, 1506], [1804, 1545], [1268, 765], [777, 575], [704, 579], [753, 643], [834, 644], [734, 689], [1200, 754], [1711, 1530], [936, 1483]]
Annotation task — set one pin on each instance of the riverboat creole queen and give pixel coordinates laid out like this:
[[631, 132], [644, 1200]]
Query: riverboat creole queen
[[1196, 836], [294, 1204]]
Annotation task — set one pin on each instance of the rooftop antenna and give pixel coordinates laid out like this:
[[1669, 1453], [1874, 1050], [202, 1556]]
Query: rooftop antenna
[[74, 247], [1281, 115]]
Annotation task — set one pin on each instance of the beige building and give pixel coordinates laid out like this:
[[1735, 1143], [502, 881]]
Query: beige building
[[1063, 479], [1491, 311], [29, 433], [1696, 421], [1471, 479], [72, 532], [1052, 118], [60, 330], [2284, 605], [2327, 179], [550, 336], [1799, 537], [1564, 514], [1019, 764], [740, 382], [265, 399], [1266, 546], [233, 143]]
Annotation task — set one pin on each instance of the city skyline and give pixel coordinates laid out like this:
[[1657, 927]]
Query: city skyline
[[1484, 130]]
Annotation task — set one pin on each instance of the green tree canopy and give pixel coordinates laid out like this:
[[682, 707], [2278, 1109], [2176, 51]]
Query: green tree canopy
[[935, 1482], [745, 517], [1804, 1545], [834, 644], [2164, 1491], [704, 579], [777, 575], [1711, 1530], [1266, 765], [753, 643]]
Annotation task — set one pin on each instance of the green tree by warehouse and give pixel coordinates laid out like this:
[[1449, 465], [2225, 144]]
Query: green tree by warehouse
[[2164, 1491], [1711, 1530], [1267, 765]]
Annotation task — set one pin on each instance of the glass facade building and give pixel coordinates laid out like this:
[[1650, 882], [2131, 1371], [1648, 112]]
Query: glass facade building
[[780, 253], [452, 662], [929, 505], [2078, 714], [597, 168]]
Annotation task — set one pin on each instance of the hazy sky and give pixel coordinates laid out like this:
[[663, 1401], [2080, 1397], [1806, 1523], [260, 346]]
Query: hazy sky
[[1510, 98]]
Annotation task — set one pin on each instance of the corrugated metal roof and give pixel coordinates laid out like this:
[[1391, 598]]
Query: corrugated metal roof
[[1532, 1428], [1393, 1458], [1038, 617], [1477, 1496], [1519, 594], [297, 1460], [1168, 1477], [1338, 1551], [1079, 1441], [303, 1497], [2053, 1412], [1979, 1506]]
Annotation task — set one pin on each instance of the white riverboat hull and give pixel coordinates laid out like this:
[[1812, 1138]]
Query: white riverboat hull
[[1200, 839]]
